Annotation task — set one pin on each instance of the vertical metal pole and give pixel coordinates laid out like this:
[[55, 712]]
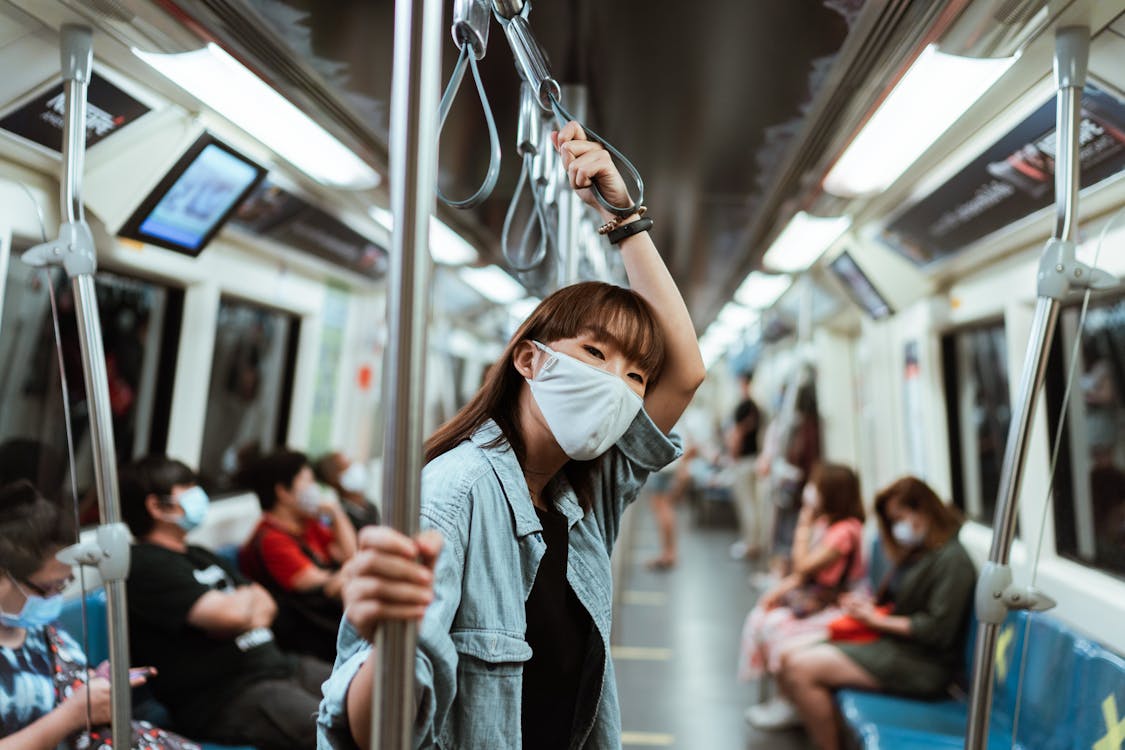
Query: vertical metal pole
[[1071, 52], [570, 205], [76, 252], [414, 110]]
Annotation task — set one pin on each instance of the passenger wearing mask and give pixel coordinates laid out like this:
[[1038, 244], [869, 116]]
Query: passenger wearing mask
[[349, 480], [921, 623], [522, 499], [205, 627], [827, 562], [45, 687], [298, 551]]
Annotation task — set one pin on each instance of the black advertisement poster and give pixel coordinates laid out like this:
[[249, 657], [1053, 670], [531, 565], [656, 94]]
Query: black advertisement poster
[[41, 120], [1012, 179], [281, 216]]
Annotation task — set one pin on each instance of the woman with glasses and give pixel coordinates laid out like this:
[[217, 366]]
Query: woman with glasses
[[48, 699]]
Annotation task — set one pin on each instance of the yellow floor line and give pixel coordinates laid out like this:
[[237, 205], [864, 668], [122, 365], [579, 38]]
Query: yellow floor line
[[647, 739], [646, 598], [640, 653]]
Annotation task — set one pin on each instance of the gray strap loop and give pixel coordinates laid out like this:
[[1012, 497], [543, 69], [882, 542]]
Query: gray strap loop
[[513, 256], [468, 58]]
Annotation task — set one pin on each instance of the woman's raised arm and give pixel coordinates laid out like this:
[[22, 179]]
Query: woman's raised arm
[[587, 162]]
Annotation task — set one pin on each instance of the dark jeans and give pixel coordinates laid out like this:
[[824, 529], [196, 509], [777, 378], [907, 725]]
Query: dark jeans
[[275, 714]]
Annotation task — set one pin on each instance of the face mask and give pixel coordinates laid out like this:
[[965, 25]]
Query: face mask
[[36, 612], [808, 496], [309, 501], [354, 478], [587, 409], [905, 534], [195, 504]]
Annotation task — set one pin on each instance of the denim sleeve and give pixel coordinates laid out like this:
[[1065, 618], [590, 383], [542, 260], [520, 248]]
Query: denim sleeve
[[642, 450], [435, 662]]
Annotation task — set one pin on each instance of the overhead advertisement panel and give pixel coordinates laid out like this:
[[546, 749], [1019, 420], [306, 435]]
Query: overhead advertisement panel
[[40, 119], [1012, 179]]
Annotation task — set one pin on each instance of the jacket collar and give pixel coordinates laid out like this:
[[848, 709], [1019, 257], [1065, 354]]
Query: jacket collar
[[507, 468]]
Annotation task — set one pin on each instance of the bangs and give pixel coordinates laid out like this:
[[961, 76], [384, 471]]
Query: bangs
[[610, 313]]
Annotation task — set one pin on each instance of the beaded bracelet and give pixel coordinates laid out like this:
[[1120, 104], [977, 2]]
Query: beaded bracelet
[[613, 223]]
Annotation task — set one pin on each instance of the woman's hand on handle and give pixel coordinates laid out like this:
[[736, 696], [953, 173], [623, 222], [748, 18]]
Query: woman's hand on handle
[[586, 163], [390, 578]]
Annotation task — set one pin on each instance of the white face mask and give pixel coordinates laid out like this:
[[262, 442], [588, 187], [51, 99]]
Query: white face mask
[[808, 496], [587, 409], [905, 534], [309, 500], [354, 478]]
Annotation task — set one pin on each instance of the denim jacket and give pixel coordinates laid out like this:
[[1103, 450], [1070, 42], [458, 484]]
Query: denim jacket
[[471, 643]]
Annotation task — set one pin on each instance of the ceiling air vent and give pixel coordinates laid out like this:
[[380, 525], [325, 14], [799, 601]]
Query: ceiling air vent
[[995, 28]]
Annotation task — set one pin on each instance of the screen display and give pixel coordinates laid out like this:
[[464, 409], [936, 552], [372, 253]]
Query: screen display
[[859, 287], [190, 205]]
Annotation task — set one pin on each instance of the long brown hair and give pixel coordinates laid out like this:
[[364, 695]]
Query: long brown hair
[[838, 487], [913, 493], [612, 313]]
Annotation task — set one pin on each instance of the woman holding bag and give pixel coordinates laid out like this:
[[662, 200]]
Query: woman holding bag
[[920, 638], [827, 561]]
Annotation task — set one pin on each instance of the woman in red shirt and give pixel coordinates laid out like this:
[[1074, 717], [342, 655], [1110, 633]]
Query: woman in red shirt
[[298, 552]]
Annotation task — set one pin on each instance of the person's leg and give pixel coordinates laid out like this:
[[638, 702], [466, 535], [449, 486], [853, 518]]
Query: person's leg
[[311, 674], [665, 516], [808, 677], [270, 715], [745, 496]]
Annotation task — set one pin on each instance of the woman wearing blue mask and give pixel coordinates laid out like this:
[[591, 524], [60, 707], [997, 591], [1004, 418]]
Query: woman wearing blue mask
[[45, 689], [522, 498], [917, 623]]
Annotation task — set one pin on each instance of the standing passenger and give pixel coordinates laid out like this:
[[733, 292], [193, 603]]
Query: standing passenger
[[742, 447], [204, 627], [525, 488]]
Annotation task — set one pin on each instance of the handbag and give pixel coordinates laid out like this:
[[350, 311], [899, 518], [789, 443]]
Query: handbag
[[71, 675], [847, 629], [810, 597]]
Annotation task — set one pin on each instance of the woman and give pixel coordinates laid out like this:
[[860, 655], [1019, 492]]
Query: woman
[[827, 561], [930, 590], [525, 488], [297, 553], [45, 688]]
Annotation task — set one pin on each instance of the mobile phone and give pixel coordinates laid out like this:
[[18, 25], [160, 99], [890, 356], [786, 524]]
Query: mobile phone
[[137, 672]]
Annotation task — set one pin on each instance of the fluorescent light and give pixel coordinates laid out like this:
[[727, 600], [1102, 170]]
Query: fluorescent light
[[804, 240], [446, 246], [223, 84], [449, 248], [936, 90], [736, 316], [761, 290], [493, 284]]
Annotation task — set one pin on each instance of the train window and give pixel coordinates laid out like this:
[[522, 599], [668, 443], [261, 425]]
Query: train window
[[976, 382], [251, 385], [1089, 489], [140, 326]]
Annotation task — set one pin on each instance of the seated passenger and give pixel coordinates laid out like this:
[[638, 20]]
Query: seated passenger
[[349, 479], [921, 637], [206, 628], [827, 561], [297, 552], [44, 683]]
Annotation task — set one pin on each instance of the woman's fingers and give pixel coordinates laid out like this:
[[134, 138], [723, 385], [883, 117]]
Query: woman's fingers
[[572, 131], [391, 567], [390, 592], [387, 540], [430, 543]]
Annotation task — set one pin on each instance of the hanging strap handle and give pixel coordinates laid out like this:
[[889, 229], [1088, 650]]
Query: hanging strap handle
[[513, 255], [469, 58]]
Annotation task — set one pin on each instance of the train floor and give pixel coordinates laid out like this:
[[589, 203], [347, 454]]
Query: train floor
[[675, 642]]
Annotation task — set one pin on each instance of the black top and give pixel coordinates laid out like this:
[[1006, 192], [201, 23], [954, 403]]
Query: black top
[[198, 673], [558, 631], [747, 416]]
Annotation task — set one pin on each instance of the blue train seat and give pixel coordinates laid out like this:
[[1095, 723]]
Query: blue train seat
[[228, 554], [1073, 693], [97, 636]]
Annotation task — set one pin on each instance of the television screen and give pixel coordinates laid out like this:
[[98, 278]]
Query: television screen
[[195, 198], [859, 287]]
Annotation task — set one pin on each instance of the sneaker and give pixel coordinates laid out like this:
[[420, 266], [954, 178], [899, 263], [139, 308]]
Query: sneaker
[[774, 715]]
